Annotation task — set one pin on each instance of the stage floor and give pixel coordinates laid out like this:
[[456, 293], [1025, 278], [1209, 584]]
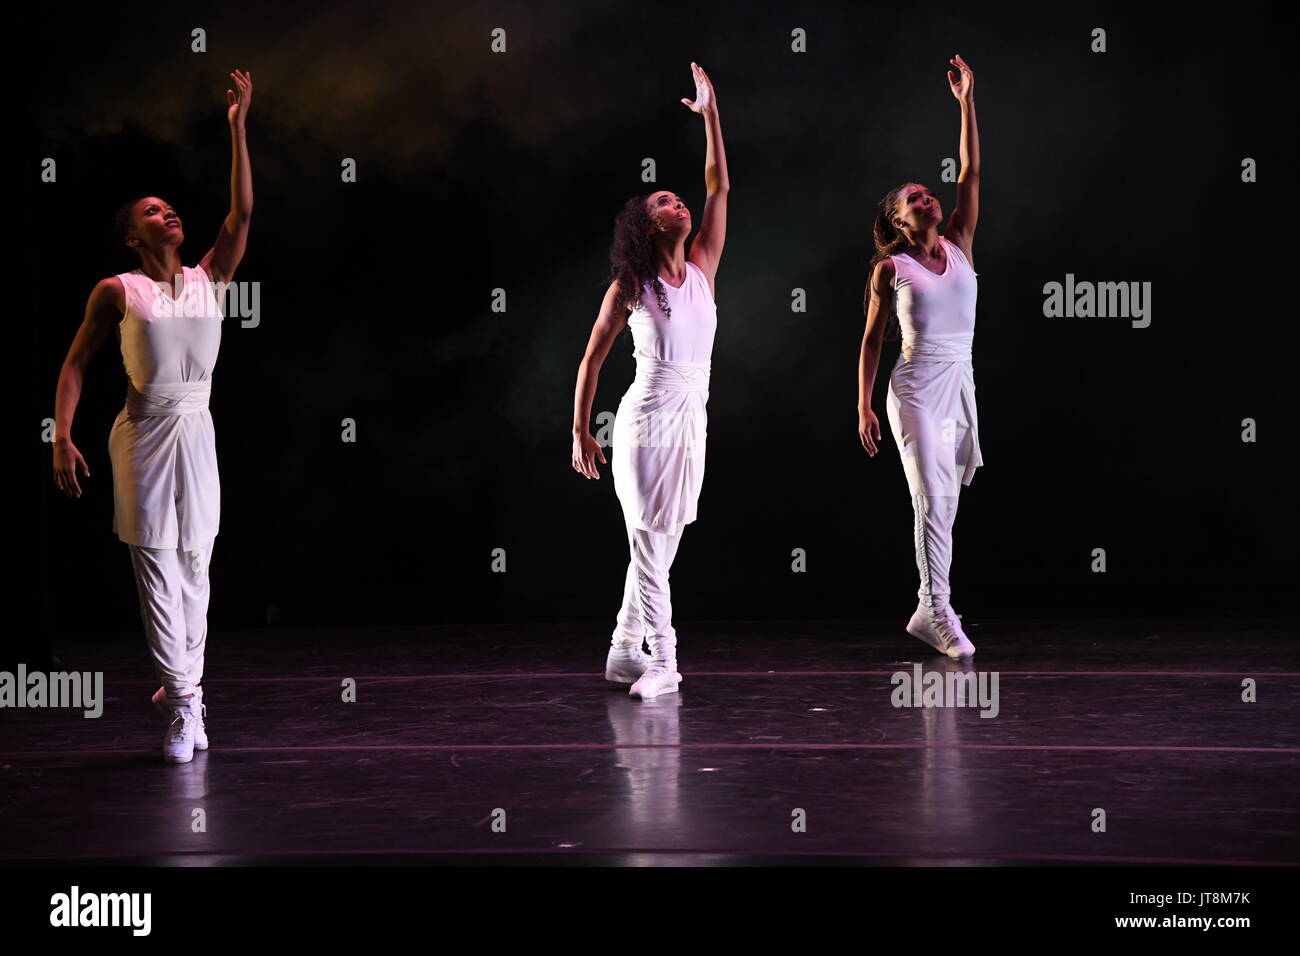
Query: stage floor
[[458, 729]]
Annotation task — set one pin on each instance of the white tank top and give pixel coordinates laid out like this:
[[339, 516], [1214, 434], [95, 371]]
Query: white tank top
[[167, 342], [686, 336], [936, 312]]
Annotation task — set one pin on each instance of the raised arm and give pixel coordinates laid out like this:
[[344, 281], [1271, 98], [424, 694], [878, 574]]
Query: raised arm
[[225, 255], [102, 312], [961, 224], [878, 303], [706, 248], [610, 321]]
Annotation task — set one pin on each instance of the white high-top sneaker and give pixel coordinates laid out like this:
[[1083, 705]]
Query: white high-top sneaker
[[625, 662], [178, 743], [961, 643], [941, 629], [201, 711], [659, 678], [159, 701]]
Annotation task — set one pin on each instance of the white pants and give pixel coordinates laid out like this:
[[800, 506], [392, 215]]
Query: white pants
[[933, 517], [647, 610], [173, 589]]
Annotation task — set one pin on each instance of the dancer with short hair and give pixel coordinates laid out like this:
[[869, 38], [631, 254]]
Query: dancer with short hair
[[666, 296], [166, 488], [925, 281]]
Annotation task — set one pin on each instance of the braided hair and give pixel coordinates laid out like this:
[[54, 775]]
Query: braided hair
[[888, 239]]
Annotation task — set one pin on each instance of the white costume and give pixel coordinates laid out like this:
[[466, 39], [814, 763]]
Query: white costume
[[166, 490], [659, 443], [931, 404]]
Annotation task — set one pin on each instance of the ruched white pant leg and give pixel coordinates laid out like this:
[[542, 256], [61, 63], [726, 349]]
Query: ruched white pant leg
[[647, 601], [933, 518], [630, 625], [174, 591]]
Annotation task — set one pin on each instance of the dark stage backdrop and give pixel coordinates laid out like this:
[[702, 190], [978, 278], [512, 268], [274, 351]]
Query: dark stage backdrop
[[480, 171]]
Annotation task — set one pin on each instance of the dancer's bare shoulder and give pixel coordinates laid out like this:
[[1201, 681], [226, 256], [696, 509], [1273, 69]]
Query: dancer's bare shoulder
[[104, 311], [611, 316], [882, 279], [108, 291], [880, 289]]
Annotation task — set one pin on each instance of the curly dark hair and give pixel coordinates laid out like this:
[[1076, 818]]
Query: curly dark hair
[[888, 240], [632, 256]]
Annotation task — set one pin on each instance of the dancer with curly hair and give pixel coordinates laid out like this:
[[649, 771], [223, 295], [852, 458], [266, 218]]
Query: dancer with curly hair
[[665, 294], [924, 282]]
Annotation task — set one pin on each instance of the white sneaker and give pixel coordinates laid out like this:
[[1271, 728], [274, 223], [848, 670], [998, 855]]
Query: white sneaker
[[658, 679], [178, 743], [159, 701], [941, 630], [200, 712], [625, 663]]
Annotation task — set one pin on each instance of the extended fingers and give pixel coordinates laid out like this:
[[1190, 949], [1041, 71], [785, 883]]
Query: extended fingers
[[67, 482], [243, 82], [583, 464]]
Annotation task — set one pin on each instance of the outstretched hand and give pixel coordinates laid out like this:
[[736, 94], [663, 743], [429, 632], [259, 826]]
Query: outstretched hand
[[962, 85], [239, 102], [704, 100]]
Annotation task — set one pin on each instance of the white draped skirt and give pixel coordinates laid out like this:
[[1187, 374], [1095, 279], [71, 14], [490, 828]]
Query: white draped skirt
[[659, 440], [166, 488], [932, 412]]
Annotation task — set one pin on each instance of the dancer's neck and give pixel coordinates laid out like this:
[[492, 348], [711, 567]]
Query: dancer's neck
[[162, 265], [927, 248], [673, 262]]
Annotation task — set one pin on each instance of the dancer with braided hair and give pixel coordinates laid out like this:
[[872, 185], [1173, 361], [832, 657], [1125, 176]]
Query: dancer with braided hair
[[926, 282]]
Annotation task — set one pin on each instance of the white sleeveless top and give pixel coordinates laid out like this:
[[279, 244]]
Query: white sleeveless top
[[165, 341], [936, 314], [684, 336]]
